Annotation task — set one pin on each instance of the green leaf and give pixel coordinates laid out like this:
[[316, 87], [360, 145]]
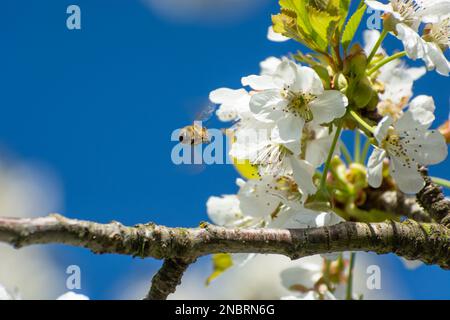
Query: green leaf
[[287, 4], [323, 74], [316, 21], [322, 24], [221, 262], [344, 6], [352, 26]]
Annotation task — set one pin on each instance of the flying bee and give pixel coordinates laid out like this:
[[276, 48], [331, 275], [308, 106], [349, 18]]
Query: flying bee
[[196, 133]]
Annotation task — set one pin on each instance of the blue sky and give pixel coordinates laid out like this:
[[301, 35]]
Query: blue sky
[[98, 106]]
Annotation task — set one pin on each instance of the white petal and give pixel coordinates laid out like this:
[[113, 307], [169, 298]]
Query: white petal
[[307, 81], [317, 150], [256, 198], [4, 294], [328, 219], [370, 38], [223, 211], [382, 128], [306, 275], [379, 6], [409, 180], [266, 105], [259, 83], [72, 296], [416, 73], [414, 45], [375, 167], [303, 173], [290, 130], [224, 95], [436, 59], [241, 259], [233, 103], [328, 106], [435, 11], [269, 65], [427, 148], [276, 37], [422, 110], [286, 73]]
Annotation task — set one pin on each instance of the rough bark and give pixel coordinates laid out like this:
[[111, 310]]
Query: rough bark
[[396, 202], [433, 200], [428, 242], [167, 278]]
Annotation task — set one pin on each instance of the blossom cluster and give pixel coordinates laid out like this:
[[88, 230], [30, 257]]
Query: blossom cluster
[[287, 120]]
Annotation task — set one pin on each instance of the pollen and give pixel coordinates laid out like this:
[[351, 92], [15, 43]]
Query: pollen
[[407, 9], [396, 145], [298, 104], [271, 159], [439, 33]]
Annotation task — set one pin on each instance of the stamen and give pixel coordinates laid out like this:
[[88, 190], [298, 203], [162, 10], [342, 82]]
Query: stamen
[[270, 159], [438, 33], [395, 144], [407, 9], [298, 104]]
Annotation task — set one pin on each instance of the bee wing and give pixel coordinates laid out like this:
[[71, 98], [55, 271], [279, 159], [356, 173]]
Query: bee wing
[[206, 113]]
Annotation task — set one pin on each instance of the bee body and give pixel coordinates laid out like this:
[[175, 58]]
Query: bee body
[[193, 135]]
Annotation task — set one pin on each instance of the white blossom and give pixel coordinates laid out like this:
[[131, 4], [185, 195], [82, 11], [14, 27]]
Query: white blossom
[[274, 36], [70, 295], [269, 65], [6, 295], [407, 143], [429, 51], [234, 104], [302, 218], [302, 279], [406, 16], [225, 211], [370, 37], [292, 96]]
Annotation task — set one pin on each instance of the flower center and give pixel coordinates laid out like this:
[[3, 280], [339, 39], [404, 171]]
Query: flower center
[[389, 107], [438, 33], [271, 159], [407, 9], [395, 145], [287, 188], [298, 104]]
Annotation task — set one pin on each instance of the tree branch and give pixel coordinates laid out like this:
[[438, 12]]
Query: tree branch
[[427, 242], [167, 278], [433, 200], [396, 202]]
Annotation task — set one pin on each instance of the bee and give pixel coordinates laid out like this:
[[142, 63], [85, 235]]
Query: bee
[[196, 133]]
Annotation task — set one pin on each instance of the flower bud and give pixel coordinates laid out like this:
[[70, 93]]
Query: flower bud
[[363, 93], [373, 103], [357, 175], [340, 82], [389, 22], [445, 130], [355, 64]]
